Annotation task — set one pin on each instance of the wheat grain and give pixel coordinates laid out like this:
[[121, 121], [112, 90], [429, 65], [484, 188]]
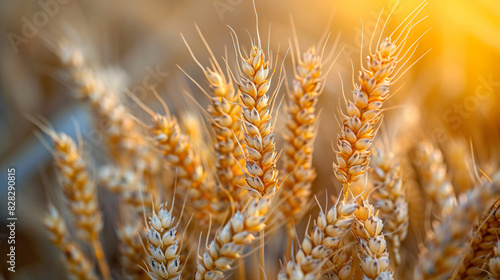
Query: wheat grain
[[131, 251], [389, 198], [494, 263]]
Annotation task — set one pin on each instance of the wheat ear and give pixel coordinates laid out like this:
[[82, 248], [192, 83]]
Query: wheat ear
[[494, 263], [435, 182], [190, 173], [390, 199], [482, 245], [443, 249], [301, 120], [164, 249], [80, 194], [228, 244], [131, 251], [364, 113], [127, 145], [367, 229], [77, 264], [323, 244], [225, 113]]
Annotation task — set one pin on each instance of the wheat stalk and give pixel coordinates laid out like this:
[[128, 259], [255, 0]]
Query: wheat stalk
[[367, 229], [164, 247], [324, 243], [435, 182], [390, 199], [301, 118], [443, 250], [77, 264]]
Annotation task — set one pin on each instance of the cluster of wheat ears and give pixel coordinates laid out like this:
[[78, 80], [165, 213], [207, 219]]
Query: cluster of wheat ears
[[189, 208]]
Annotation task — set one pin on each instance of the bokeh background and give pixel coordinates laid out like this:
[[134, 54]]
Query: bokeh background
[[451, 96]]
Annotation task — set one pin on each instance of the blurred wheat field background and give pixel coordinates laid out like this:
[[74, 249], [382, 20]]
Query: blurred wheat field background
[[437, 143]]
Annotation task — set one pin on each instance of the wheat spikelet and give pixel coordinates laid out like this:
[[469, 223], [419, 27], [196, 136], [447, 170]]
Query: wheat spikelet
[[494, 263], [372, 246], [78, 266], [430, 164], [324, 244], [443, 250], [482, 245], [389, 198], [300, 133], [164, 248], [131, 251], [363, 114]]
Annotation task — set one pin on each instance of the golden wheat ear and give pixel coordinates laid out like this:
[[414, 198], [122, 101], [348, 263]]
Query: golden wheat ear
[[77, 264], [443, 249], [360, 123], [390, 199]]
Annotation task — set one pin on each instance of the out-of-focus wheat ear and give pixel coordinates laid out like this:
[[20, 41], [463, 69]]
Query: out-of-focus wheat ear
[[367, 230], [481, 247], [175, 146], [80, 194], [127, 145], [299, 134], [443, 249], [224, 113], [494, 263], [389, 198], [434, 178], [131, 251], [360, 122], [163, 248], [229, 242], [76, 263], [322, 250]]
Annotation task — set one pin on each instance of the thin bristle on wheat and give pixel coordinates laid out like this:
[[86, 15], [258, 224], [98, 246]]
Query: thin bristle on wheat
[[77, 264], [229, 242], [164, 248], [260, 147], [390, 199], [482, 245], [324, 244], [372, 246], [299, 134], [435, 182], [364, 113], [443, 250]]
